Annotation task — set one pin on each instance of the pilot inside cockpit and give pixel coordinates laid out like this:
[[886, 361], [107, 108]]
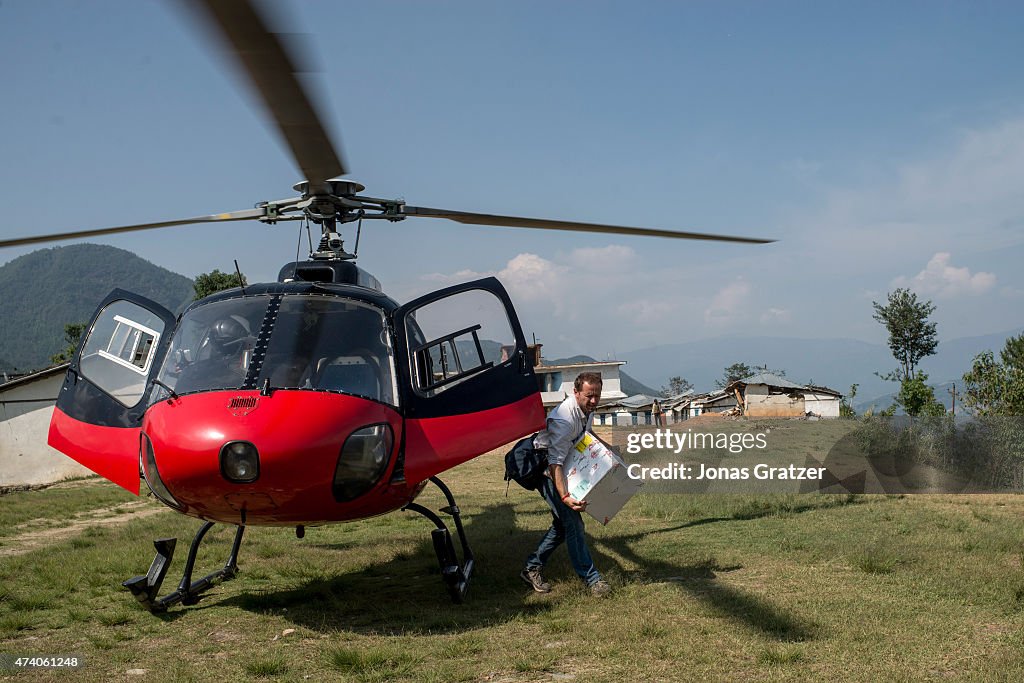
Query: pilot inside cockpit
[[222, 358]]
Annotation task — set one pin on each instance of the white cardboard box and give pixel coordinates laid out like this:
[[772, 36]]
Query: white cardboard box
[[594, 473]]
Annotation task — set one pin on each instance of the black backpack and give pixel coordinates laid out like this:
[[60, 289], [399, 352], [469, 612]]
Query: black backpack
[[525, 465]]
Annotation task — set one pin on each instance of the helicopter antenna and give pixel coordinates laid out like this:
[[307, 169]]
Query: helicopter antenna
[[359, 230], [298, 245], [241, 282]]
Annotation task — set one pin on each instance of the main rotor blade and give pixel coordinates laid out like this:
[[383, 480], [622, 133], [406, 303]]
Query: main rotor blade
[[518, 222], [273, 72], [247, 214]]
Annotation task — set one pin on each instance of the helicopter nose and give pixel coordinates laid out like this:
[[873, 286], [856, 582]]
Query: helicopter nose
[[272, 459]]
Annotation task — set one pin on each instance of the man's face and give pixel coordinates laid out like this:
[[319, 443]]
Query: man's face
[[588, 397]]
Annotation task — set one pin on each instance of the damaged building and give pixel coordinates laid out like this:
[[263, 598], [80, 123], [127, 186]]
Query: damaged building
[[768, 395]]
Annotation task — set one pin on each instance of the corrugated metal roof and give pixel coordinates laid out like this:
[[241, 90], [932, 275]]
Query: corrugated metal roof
[[544, 368], [773, 380], [32, 377], [632, 402], [637, 401], [769, 378]]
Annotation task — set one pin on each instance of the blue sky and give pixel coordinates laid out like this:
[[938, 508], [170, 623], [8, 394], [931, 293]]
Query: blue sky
[[881, 143]]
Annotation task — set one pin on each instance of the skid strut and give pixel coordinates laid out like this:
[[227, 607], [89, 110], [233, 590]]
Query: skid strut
[[456, 577], [145, 588]]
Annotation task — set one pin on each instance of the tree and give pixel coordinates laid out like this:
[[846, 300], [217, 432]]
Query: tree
[[215, 281], [994, 388], [734, 372], [846, 404], [1013, 352], [911, 336], [917, 398], [72, 336], [676, 385]]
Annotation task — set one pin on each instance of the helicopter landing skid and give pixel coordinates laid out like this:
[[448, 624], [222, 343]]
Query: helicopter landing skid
[[145, 588], [456, 577]]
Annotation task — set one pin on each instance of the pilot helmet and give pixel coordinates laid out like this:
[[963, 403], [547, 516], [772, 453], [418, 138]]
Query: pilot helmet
[[228, 334]]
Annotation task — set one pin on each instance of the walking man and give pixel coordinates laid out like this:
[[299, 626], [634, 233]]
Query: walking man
[[566, 423]]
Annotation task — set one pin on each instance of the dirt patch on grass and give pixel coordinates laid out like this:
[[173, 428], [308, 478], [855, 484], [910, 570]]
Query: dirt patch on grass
[[36, 533]]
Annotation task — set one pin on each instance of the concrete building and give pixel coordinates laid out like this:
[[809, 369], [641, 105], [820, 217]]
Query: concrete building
[[26, 404], [768, 395], [761, 395], [631, 410], [556, 381], [720, 401]]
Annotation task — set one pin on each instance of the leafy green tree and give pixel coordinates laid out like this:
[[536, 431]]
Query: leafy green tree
[[994, 388], [72, 336], [1013, 352], [846, 404], [911, 336], [676, 385], [734, 372], [215, 281], [917, 398]]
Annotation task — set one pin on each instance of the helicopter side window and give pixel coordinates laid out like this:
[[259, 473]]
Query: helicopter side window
[[130, 345], [458, 337], [213, 345], [118, 353], [330, 343]]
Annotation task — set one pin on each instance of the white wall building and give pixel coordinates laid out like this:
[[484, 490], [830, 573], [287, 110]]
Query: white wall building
[[26, 404], [768, 395], [556, 381]]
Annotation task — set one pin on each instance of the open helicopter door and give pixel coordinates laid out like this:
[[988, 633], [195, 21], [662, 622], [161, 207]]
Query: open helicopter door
[[472, 387], [101, 403]]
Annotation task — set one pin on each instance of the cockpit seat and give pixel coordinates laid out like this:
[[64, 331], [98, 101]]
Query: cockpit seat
[[290, 374], [350, 374]]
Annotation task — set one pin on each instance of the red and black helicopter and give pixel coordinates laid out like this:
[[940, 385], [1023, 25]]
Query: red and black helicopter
[[313, 399]]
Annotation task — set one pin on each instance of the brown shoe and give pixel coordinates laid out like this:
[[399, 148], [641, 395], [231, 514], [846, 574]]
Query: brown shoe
[[600, 588], [533, 579]]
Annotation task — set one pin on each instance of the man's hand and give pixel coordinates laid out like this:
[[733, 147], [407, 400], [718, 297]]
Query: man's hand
[[577, 505], [558, 477]]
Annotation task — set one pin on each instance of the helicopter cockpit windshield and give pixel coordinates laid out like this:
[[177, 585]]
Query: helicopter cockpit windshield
[[213, 345], [317, 342], [331, 344]]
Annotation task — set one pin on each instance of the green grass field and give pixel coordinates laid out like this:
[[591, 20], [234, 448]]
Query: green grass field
[[707, 587]]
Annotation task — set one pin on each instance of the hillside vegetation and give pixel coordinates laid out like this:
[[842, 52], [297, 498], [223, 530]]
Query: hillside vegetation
[[42, 291]]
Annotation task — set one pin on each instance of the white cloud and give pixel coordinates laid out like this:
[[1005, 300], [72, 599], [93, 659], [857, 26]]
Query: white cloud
[[776, 315], [984, 171], [646, 311], [963, 198], [944, 281], [444, 279], [727, 304], [1013, 292], [594, 300], [530, 277], [613, 258]]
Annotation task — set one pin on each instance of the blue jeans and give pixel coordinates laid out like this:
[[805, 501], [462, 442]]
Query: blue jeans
[[567, 526]]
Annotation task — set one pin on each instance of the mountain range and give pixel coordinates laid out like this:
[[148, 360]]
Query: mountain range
[[42, 291]]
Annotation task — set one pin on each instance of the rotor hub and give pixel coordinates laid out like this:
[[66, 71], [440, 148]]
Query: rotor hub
[[331, 248], [338, 188]]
